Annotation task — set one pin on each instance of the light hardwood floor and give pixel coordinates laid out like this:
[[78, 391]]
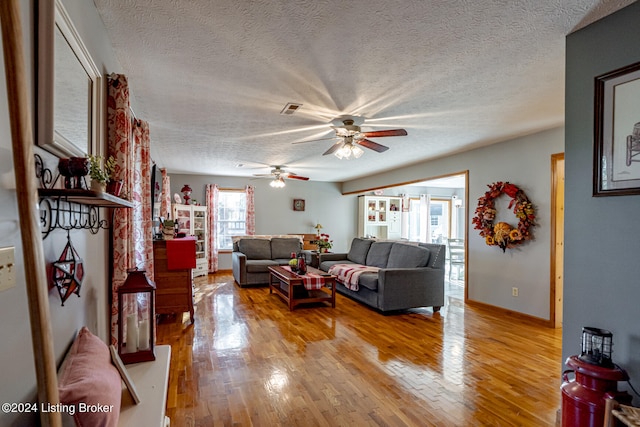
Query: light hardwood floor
[[248, 361]]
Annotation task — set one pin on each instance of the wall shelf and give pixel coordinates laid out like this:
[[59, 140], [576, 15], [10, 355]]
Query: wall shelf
[[72, 208], [85, 197]]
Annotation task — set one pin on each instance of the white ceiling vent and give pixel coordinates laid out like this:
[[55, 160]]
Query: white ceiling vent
[[290, 108]]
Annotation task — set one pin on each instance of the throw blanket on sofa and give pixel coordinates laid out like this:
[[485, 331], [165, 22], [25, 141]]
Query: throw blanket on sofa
[[349, 274]]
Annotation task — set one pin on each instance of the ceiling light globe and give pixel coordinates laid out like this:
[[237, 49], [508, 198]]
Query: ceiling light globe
[[357, 151]]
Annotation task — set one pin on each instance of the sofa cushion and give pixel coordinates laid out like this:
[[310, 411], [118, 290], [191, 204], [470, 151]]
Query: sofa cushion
[[359, 250], [259, 265], [282, 247], [326, 265], [379, 254], [255, 248], [407, 256], [369, 281]]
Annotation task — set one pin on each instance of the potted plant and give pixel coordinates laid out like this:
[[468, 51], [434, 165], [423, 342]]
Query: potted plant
[[114, 186], [100, 171]]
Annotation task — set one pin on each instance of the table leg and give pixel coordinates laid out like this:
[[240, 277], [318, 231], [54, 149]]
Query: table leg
[[290, 297], [333, 294]]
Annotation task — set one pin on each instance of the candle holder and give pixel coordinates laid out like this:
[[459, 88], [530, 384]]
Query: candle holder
[[136, 318]]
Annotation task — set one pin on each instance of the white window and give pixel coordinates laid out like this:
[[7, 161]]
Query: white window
[[231, 217], [439, 219]]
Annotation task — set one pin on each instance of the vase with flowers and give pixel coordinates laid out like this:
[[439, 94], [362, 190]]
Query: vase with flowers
[[324, 242]]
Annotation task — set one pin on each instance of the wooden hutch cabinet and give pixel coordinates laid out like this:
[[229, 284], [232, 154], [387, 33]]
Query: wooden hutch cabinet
[[174, 286]]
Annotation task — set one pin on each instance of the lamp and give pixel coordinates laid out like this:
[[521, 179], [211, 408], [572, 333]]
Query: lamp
[[277, 182], [68, 271], [136, 318], [186, 190], [348, 149], [596, 346], [318, 227]]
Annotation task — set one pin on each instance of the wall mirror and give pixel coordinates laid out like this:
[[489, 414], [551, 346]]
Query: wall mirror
[[70, 89]]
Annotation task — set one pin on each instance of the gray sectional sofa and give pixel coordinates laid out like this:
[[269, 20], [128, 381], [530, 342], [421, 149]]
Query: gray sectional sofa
[[252, 256], [409, 275]]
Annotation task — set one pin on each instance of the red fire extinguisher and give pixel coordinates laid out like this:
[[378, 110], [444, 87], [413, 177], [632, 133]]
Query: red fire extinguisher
[[595, 380]]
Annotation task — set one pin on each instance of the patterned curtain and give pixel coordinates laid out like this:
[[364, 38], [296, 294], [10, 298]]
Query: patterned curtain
[[212, 195], [142, 222], [251, 211], [165, 199], [129, 145]]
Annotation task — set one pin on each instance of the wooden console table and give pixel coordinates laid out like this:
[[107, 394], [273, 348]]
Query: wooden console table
[[174, 287], [290, 287]]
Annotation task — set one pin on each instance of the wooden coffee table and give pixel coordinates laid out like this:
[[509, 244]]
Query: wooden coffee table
[[290, 287]]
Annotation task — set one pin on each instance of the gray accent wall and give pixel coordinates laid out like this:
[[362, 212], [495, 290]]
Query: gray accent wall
[[602, 285]]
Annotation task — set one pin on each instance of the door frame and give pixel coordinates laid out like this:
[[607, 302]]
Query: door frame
[[553, 291]]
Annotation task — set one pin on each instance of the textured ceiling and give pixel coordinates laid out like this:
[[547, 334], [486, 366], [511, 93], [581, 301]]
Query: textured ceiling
[[211, 77]]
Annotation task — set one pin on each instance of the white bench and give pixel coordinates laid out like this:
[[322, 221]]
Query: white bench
[[151, 380]]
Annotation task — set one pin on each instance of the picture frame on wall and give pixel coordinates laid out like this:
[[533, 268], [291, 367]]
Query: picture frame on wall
[[298, 205], [616, 169]]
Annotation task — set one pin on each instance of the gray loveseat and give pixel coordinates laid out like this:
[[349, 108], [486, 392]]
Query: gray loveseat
[[410, 275], [253, 255]]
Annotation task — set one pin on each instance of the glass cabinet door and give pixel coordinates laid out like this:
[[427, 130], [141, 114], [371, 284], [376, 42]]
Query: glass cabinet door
[[183, 216], [199, 231], [382, 210]]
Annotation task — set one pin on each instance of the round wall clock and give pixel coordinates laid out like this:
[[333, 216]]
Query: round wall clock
[[298, 204]]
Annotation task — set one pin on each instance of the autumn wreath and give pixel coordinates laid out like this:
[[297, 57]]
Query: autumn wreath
[[503, 234]]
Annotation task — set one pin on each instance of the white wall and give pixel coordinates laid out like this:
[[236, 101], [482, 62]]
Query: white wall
[[17, 372], [324, 203], [525, 162]]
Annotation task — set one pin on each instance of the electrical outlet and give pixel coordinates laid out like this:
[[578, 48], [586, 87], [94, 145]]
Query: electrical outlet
[[7, 268], [514, 292]]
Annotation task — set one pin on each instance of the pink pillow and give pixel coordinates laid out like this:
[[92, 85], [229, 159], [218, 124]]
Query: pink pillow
[[90, 382]]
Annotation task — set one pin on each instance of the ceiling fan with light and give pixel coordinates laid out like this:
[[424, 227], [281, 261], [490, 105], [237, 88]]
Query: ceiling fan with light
[[351, 138], [278, 174]]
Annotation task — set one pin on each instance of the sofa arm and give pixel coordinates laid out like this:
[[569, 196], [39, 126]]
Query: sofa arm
[[239, 266], [401, 288]]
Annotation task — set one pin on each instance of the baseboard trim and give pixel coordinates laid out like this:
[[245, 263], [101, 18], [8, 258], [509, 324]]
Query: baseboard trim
[[520, 316]]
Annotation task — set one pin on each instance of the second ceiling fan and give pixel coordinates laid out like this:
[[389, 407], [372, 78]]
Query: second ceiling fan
[[278, 174], [350, 138]]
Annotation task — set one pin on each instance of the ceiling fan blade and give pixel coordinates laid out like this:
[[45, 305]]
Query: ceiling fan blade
[[262, 175], [333, 148], [313, 140], [294, 176], [381, 133], [372, 145]]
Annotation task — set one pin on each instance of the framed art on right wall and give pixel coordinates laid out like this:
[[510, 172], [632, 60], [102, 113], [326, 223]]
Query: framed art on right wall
[[616, 165]]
